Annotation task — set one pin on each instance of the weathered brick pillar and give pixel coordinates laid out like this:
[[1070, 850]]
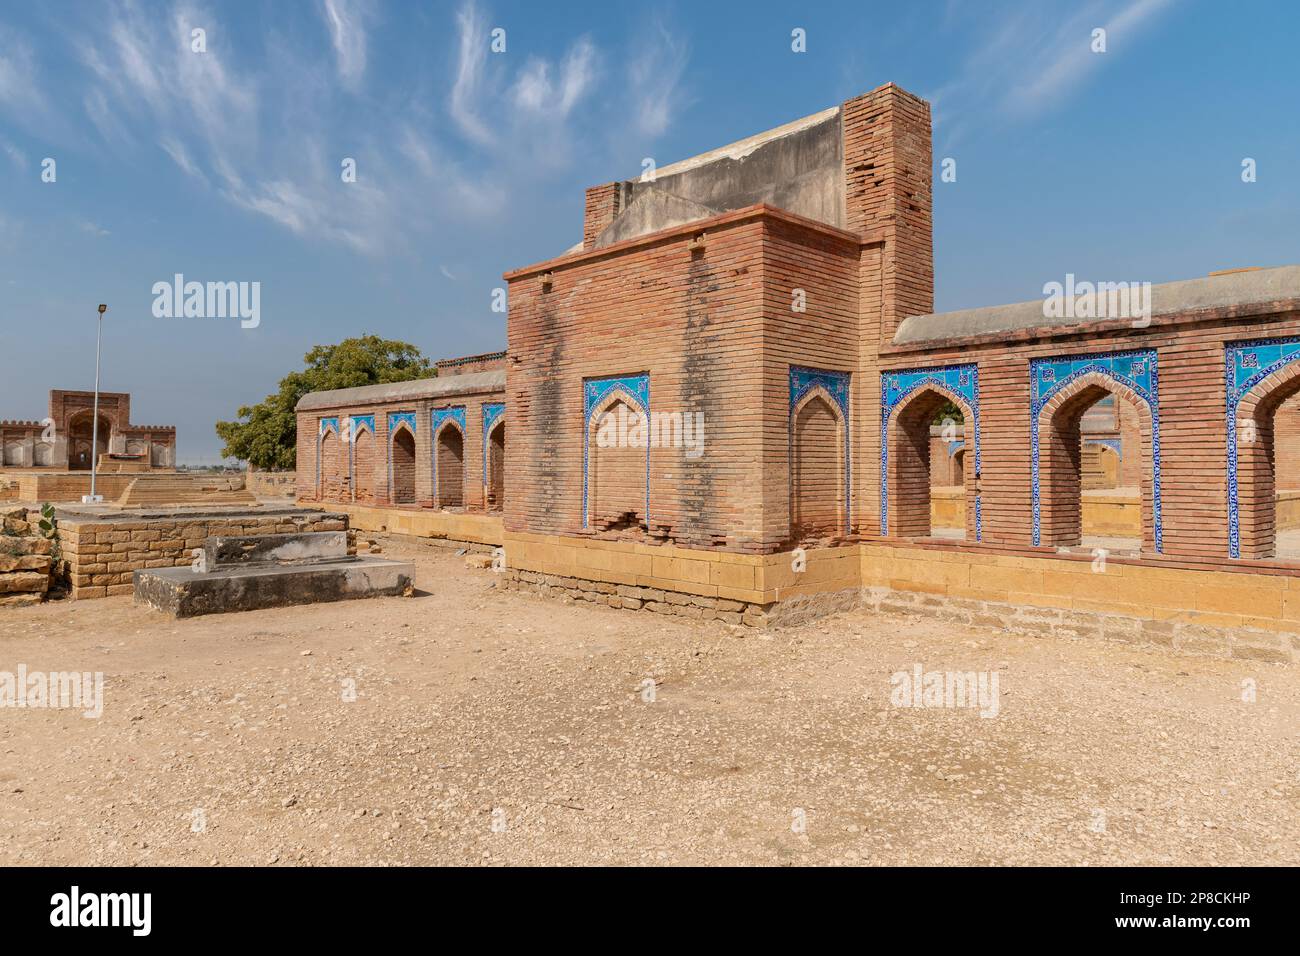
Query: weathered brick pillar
[[602, 206], [888, 184]]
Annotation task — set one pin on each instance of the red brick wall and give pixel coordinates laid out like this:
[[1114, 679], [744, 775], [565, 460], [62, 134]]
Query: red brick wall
[[692, 319], [1286, 443], [490, 362], [372, 461], [887, 162], [496, 468], [616, 472], [601, 208], [707, 311], [817, 479], [450, 452], [366, 456], [823, 265], [1192, 422], [402, 451]]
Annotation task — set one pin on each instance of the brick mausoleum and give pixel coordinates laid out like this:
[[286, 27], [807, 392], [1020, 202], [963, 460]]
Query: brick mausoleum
[[65, 441], [856, 447]]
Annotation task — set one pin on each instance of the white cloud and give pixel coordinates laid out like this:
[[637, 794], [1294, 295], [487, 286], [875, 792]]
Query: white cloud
[[1034, 61], [21, 94], [541, 90], [15, 155], [1067, 59], [253, 119], [472, 54], [181, 157], [535, 93], [654, 77], [347, 25]]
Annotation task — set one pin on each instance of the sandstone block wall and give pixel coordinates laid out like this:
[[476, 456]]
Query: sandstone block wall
[[26, 560]]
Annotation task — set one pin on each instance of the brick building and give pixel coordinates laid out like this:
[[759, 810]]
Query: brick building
[[65, 440], [435, 443], [777, 294]]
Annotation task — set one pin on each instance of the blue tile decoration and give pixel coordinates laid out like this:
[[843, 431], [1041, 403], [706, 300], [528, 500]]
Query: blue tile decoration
[[401, 418], [1245, 365], [326, 425], [962, 383], [437, 418], [633, 389], [395, 421], [355, 424], [1114, 444], [1137, 370], [836, 384], [440, 416], [492, 412]]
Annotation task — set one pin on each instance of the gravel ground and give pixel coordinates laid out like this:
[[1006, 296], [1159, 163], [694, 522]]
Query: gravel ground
[[500, 728]]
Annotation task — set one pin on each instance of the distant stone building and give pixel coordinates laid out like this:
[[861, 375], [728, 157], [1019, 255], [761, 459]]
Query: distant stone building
[[66, 439]]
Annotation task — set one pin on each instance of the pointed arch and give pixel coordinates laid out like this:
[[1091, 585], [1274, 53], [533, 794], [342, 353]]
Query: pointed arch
[[908, 446], [909, 400], [449, 464], [401, 458], [616, 473], [494, 475], [1062, 390], [818, 473], [1261, 376]]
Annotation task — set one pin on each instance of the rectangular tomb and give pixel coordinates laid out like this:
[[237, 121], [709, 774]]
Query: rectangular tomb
[[253, 572]]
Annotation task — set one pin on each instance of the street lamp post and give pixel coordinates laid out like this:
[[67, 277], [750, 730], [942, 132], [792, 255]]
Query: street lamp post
[[93, 498]]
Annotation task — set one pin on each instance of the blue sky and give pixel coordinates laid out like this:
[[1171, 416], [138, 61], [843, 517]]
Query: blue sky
[[225, 165]]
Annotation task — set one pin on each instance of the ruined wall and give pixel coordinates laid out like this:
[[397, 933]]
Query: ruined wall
[[26, 560], [270, 484]]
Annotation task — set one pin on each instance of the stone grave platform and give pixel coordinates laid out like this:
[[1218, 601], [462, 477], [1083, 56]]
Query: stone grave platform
[[277, 570]]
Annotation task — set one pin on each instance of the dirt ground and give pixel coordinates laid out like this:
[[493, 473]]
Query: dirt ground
[[494, 727]]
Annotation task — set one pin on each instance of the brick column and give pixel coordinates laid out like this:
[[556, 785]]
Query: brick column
[[602, 206], [888, 184]]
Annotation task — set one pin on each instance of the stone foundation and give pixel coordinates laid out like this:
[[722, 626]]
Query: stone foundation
[[693, 606], [456, 528], [1241, 643], [1243, 613]]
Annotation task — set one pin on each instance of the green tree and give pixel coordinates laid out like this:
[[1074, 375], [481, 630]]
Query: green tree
[[266, 434]]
